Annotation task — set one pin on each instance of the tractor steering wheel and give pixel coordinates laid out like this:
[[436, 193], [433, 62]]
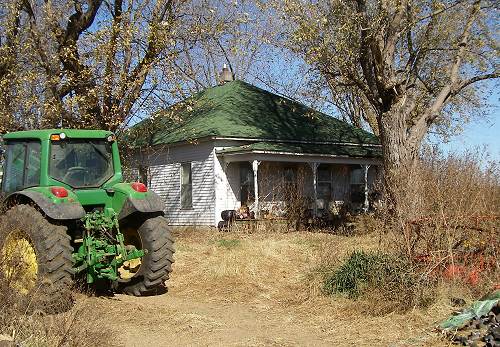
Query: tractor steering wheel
[[72, 171]]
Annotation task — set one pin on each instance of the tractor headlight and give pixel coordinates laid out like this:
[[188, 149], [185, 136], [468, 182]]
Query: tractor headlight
[[62, 136]]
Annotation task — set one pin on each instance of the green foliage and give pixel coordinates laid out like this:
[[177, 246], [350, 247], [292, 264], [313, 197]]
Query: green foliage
[[228, 243], [363, 271]]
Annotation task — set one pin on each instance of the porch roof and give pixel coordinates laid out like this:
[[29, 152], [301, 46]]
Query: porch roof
[[305, 149]]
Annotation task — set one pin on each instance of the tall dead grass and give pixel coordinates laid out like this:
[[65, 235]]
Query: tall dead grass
[[444, 234], [78, 327], [450, 221]]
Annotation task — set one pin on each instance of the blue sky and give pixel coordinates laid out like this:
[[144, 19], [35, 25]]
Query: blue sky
[[480, 133]]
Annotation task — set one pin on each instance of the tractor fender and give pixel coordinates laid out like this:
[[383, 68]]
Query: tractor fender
[[150, 204], [60, 211]]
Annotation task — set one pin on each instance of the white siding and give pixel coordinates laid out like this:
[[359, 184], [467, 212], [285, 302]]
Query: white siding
[[227, 185], [164, 179]]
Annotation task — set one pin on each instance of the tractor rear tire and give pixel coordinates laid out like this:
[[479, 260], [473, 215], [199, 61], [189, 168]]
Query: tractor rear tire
[[50, 262], [156, 265]]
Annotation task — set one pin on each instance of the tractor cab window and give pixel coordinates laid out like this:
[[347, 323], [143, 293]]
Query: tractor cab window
[[22, 165], [81, 163]]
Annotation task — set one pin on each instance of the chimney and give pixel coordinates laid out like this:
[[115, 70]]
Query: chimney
[[226, 75]]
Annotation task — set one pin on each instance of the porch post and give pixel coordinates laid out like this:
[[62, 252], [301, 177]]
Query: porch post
[[227, 186], [314, 167], [366, 204], [255, 167]]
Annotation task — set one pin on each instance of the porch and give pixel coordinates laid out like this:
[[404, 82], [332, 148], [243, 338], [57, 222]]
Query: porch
[[275, 184]]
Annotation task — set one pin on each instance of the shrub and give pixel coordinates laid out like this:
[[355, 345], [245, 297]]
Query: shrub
[[228, 243], [391, 278]]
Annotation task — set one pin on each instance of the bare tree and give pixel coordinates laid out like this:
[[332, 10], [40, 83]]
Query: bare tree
[[412, 65], [107, 64], [232, 33]]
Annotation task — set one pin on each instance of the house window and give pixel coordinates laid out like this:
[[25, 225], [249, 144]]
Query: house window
[[357, 185], [290, 184], [186, 186], [324, 182], [246, 183], [290, 175]]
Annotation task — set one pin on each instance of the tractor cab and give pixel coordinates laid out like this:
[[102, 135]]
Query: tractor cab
[[82, 163], [73, 159]]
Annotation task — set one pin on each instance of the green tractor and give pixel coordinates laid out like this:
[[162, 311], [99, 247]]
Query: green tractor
[[67, 214]]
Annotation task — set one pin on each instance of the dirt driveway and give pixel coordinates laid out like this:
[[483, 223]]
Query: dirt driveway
[[257, 290]]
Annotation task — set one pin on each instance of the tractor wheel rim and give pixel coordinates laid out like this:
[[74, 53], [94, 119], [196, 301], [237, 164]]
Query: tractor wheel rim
[[21, 263], [131, 267]]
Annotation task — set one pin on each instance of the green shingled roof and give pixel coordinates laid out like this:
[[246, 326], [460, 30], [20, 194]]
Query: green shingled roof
[[306, 148], [240, 110]]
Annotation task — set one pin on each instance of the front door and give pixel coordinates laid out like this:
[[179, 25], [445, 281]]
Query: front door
[[247, 188]]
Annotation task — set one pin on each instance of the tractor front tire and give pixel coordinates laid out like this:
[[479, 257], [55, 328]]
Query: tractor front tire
[[36, 259], [156, 266]]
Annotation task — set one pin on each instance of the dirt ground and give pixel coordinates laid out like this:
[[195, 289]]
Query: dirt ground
[[259, 290]]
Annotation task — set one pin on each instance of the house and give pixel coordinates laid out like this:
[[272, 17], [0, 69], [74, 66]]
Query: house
[[238, 145]]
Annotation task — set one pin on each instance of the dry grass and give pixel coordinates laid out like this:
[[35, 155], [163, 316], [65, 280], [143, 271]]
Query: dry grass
[[28, 327], [445, 228], [242, 290], [448, 210], [285, 273], [258, 262], [76, 327], [256, 290]]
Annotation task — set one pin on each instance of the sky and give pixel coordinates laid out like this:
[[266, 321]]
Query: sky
[[479, 133]]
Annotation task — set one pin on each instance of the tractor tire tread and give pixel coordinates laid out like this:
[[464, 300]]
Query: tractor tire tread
[[54, 254], [157, 239]]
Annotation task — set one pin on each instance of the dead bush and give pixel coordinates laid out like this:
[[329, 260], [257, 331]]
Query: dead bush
[[448, 221], [444, 232]]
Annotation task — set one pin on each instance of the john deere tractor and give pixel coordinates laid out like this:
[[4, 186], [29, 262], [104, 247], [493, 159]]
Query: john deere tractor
[[68, 214]]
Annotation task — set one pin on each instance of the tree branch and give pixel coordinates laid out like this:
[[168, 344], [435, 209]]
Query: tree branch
[[475, 79], [432, 113], [138, 76], [365, 58], [110, 59]]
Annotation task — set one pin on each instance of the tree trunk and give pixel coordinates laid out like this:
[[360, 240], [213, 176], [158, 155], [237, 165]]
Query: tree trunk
[[399, 158]]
